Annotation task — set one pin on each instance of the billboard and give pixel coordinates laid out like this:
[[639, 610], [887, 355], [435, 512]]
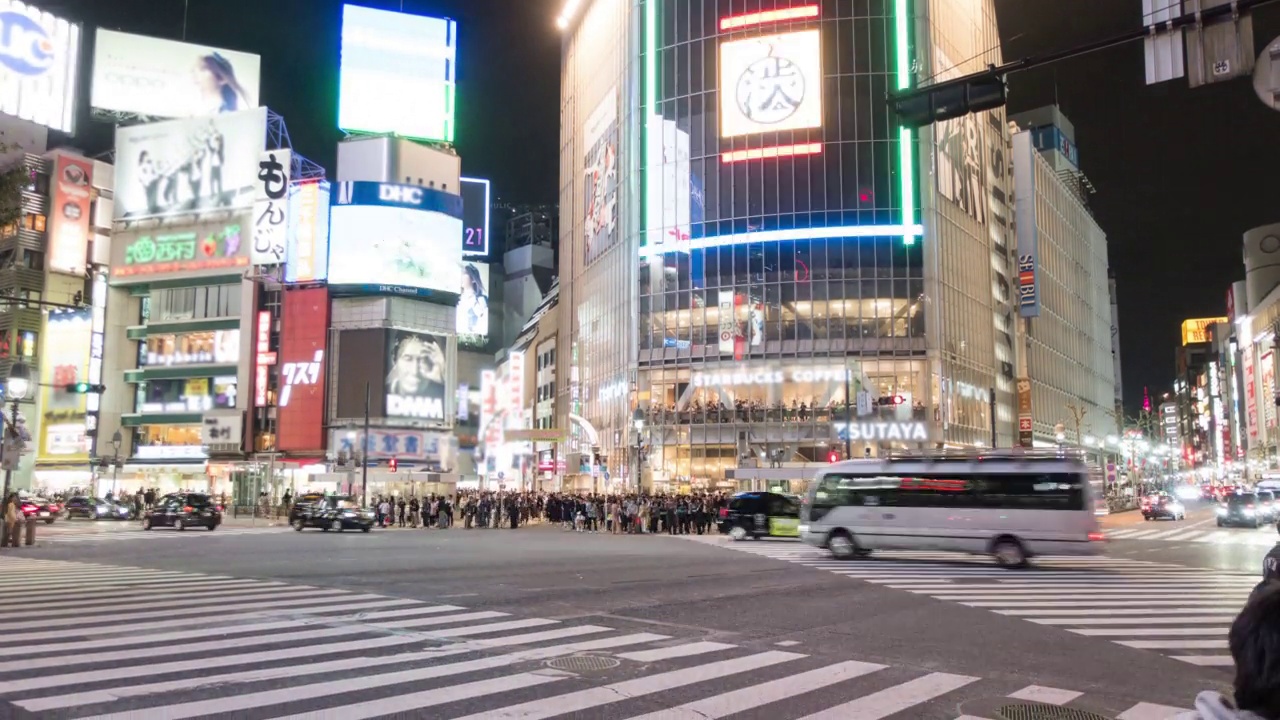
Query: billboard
[[271, 207], [770, 83], [69, 214], [1028, 233], [302, 362], [1197, 330], [398, 74], [416, 377], [160, 252], [160, 78], [473, 303], [600, 176], [385, 237], [307, 251], [362, 365], [475, 216], [39, 56], [188, 166], [65, 361]]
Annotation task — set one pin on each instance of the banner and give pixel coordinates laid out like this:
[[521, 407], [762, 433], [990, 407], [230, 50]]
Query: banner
[[188, 166], [271, 207], [1024, 210], [69, 215], [600, 177], [65, 361], [307, 252], [1250, 393], [727, 323], [303, 335], [416, 375]]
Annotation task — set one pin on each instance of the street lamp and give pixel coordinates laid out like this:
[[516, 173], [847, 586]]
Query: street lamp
[[116, 440], [637, 418], [17, 386]]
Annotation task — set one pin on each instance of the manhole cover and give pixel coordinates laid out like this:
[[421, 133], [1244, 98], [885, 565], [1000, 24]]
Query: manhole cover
[[583, 663], [1035, 711]]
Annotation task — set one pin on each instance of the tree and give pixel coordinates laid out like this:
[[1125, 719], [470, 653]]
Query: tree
[[15, 177]]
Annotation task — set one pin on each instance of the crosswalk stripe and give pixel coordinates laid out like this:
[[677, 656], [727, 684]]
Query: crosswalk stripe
[[895, 699], [430, 698], [1130, 620], [1174, 644], [1150, 711], [109, 599], [737, 701], [1207, 660], [1219, 596], [675, 651], [18, 586], [345, 665], [179, 636], [96, 590], [469, 630], [626, 689], [201, 604], [442, 620], [1144, 612], [1102, 589], [228, 612], [1047, 695], [1148, 631], [81, 577], [1090, 603]]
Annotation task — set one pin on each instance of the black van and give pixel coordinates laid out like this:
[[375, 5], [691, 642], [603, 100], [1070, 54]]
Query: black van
[[760, 514]]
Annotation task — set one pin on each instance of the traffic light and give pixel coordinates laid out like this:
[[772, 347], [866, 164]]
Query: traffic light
[[833, 456], [84, 388], [949, 100], [393, 464]]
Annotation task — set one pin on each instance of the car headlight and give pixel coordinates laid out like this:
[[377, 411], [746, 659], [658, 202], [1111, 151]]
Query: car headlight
[[1249, 511], [802, 528], [1176, 507], [1222, 510]]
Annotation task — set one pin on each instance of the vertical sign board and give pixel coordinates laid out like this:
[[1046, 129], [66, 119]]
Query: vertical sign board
[[475, 216], [69, 214], [263, 358], [302, 350], [64, 361], [1250, 394], [1024, 208], [271, 207], [514, 400], [308, 246], [1268, 376], [489, 435], [98, 308], [39, 57], [1024, 412], [727, 323]]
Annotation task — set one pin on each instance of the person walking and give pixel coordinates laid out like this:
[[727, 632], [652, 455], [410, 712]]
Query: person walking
[[12, 521]]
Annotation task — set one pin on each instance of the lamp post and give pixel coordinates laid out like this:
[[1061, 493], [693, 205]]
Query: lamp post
[[116, 440], [16, 388], [638, 419]]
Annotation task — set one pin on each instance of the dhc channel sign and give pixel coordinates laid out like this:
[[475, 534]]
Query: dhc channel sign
[[396, 195]]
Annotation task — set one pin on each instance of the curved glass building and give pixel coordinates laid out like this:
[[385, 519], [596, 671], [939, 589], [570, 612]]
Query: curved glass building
[[759, 267]]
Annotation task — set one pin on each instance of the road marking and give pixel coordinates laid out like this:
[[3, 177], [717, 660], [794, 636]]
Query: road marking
[[207, 602], [430, 698], [469, 630], [1093, 598], [1157, 620], [444, 620], [616, 692], [107, 598], [1092, 603], [749, 698], [675, 651], [1150, 632], [1121, 611], [895, 699], [1207, 660], [1150, 711], [1046, 695], [1174, 644]]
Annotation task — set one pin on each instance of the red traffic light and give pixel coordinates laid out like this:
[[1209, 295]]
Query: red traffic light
[[833, 456], [897, 399], [393, 464]]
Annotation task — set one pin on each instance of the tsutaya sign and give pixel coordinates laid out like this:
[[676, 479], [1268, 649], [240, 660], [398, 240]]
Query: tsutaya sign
[[883, 431], [770, 377]]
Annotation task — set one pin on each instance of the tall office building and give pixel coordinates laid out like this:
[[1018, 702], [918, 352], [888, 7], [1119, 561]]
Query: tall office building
[[758, 266]]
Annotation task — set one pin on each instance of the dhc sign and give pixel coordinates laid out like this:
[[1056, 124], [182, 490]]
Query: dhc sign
[[25, 47], [402, 194]]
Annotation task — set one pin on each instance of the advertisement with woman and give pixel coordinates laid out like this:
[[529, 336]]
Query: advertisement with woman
[[417, 375], [473, 303], [168, 79]]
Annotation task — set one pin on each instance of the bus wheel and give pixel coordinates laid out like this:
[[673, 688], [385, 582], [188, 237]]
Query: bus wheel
[[1009, 553], [842, 546]]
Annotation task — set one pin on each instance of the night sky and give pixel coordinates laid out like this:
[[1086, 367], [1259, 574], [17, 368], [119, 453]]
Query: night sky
[[1180, 174]]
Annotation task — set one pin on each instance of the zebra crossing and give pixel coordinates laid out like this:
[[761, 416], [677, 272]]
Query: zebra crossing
[[127, 532], [88, 640], [1181, 612], [1264, 537]]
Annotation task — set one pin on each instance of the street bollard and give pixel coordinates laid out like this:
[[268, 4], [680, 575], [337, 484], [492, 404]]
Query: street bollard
[[31, 532]]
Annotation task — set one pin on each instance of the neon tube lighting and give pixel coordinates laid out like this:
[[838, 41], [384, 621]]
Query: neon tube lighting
[[906, 158], [768, 236], [737, 22], [567, 13], [771, 152]]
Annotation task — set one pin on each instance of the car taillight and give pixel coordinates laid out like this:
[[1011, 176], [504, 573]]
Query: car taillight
[[1096, 537], [187, 508], [724, 513], [1249, 506]]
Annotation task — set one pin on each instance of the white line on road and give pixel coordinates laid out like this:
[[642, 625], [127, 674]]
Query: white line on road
[[1150, 711], [1047, 695], [895, 699], [675, 651], [1130, 620]]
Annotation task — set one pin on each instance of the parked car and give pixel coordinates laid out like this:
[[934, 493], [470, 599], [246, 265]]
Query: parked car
[[334, 512], [95, 508], [39, 508], [183, 510]]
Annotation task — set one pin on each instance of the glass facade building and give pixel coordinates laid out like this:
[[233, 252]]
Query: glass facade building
[[757, 263]]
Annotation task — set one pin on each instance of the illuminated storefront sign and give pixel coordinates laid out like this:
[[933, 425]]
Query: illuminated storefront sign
[[39, 58], [404, 445], [882, 431], [771, 152], [1197, 330], [170, 452], [769, 376], [98, 308], [69, 214], [220, 347], [737, 22], [182, 252], [271, 207], [303, 338], [772, 236], [770, 83], [307, 252], [64, 361], [263, 358], [728, 323], [475, 216]]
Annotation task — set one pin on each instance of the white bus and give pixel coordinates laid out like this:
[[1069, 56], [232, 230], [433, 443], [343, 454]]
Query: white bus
[[1011, 505]]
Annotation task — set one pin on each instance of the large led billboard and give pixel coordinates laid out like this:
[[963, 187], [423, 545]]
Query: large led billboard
[[302, 370], [398, 74], [188, 166], [159, 253], [473, 303], [69, 214], [385, 237], [307, 251], [417, 375], [64, 361], [770, 82], [39, 57], [160, 78], [475, 216], [600, 177]]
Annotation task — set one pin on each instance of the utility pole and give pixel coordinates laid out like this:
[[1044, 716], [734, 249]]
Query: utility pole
[[364, 451]]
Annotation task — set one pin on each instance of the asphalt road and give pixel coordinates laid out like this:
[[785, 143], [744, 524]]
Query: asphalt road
[[262, 622]]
